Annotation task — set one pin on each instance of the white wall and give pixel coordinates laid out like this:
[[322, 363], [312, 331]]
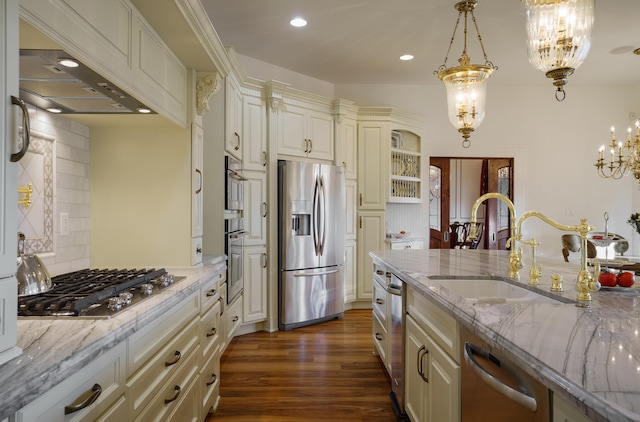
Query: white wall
[[554, 145], [72, 193]]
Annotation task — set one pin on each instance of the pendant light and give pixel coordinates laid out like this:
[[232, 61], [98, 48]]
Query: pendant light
[[558, 37], [466, 84]]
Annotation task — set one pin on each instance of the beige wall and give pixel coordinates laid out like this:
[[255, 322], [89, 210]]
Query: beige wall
[[140, 197]]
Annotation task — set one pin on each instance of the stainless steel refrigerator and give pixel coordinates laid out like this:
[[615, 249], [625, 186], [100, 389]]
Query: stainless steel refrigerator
[[311, 221]]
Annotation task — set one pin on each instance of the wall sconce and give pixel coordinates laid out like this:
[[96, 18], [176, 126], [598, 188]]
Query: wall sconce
[[26, 201], [466, 84], [558, 37]]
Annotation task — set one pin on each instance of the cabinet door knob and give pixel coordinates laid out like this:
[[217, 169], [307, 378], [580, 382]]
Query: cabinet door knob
[[379, 337], [214, 377], [211, 292], [379, 301], [212, 332]]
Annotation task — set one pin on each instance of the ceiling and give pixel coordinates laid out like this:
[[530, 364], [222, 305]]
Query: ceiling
[[359, 41]]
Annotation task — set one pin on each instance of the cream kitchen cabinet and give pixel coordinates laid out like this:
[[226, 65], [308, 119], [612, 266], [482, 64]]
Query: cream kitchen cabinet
[[373, 180], [254, 301], [306, 133], [233, 143], [163, 362], [8, 179], [256, 208], [254, 130], [197, 179], [102, 380], [381, 304], [347, 138], [350, 278], [114, 39], [231, 316], [370, 238], [564, 412], [406, 244], [432, 385], [210, 342]]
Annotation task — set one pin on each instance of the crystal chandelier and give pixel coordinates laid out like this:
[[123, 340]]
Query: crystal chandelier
[[624, 157], [558, 37], [466, 84]]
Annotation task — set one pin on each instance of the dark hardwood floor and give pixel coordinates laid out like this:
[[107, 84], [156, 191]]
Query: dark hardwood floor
[[323, 372]]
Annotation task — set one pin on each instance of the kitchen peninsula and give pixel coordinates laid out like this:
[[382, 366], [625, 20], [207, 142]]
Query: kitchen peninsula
[[589, 357]]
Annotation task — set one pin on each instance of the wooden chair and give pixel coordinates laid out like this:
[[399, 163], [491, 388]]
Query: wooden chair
[[457, 235], [473, 243], [571, 243]]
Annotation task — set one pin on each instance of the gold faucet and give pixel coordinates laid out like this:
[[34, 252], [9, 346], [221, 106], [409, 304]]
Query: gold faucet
[[515, 258], [586, 282], [536, 270]]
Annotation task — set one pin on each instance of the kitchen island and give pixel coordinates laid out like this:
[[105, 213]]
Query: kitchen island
[[56, 348], [590, 356]]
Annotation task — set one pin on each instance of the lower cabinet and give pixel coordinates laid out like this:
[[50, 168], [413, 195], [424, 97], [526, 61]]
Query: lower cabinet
[[432, 378], [169, 370], [564, 412], [406, 244], [381, 320], [102, 380], [432, 362]]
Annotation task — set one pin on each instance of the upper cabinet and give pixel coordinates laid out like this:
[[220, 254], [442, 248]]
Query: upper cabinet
[[389, 157], [254, 129], [346, 138], [115, 40], [233, 121], [302, 123]]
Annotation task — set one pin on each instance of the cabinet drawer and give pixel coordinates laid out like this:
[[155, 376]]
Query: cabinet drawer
[[210, 383], [210, 331], [232, 319], [169, 360], [107, 371], [380, 301], [146, 342], [380, 338], [410, 244], [210, 292], [177, 399], [442, 327]]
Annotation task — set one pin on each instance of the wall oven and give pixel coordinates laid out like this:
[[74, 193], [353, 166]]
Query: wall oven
[[233, 184], [234, 242]]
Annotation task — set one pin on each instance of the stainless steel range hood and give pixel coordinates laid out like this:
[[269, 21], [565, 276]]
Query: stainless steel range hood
[[47, 84]]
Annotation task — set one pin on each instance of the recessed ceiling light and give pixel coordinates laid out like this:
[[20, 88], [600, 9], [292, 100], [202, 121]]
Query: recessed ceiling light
[[298, 22], [406, 57], [54, 110], [67, 62], [143, 110]]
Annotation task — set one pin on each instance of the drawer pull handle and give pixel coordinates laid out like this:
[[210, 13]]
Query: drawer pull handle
[[422, 352], [211, 292], [212, 332], [379, 337], [93, 395], [379, 272], [214, 377], [379, 301], [237, 147], [177, 357], [235, 319], [176, 391]]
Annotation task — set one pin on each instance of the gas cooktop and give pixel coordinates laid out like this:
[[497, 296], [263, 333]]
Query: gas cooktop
[[95, 292]]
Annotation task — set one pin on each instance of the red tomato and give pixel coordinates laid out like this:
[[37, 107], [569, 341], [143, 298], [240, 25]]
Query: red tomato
[[607, 279], [626, 279]]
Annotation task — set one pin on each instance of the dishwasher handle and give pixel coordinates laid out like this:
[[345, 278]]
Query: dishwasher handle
[[525, 400]]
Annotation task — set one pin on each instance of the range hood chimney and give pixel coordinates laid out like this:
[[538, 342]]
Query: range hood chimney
[[48, 84]]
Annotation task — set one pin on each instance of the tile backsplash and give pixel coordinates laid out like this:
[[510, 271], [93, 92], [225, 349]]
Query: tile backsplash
[[56, 225]]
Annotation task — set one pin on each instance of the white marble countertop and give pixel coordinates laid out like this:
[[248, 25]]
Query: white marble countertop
[[589, 356], [53, 348]]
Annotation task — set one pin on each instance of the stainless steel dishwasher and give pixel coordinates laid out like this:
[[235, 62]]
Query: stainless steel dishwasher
[[496, 390], [396, 289]]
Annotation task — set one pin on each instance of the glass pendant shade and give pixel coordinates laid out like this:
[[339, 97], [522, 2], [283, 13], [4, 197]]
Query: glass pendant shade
[[466, 88], [558, 37]]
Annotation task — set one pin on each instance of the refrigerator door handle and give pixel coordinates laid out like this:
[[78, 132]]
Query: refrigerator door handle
[[317, 273], [314, 221], [323, 214]]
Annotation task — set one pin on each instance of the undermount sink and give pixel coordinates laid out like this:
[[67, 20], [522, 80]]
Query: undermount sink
[[493, 291]]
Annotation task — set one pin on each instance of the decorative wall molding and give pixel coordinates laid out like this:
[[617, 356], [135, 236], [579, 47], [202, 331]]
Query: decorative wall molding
[[207, 84]]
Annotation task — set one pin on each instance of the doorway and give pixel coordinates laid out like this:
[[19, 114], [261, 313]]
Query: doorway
[[455, 183]]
